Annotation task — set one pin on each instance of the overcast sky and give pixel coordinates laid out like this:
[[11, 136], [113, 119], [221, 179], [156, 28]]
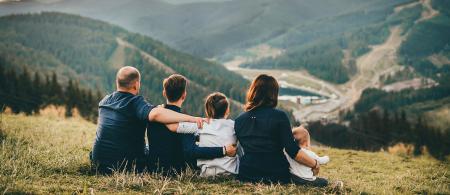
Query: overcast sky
[[191, 1], [170, 1]]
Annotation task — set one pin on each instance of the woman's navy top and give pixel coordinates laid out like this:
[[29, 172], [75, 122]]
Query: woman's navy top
[[263, 133]]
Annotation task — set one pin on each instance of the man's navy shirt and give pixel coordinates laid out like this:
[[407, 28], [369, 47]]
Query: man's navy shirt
[[171, 151], [121, 128]]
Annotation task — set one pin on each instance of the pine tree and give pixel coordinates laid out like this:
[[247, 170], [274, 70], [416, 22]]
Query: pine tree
[[55, 91], [3, 87], [69, 98], [24, 95], [385, 127], [37, 92]]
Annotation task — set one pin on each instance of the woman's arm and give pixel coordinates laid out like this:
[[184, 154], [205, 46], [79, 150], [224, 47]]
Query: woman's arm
[[290, 146], [304, 159]]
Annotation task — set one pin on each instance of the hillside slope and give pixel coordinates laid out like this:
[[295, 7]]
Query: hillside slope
[[91, 51], [46, 154]]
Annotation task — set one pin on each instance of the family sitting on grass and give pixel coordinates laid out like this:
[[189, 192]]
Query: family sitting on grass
[[259, 146]]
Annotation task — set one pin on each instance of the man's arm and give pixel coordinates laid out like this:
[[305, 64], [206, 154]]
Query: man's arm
[[172, 127], [166, 116], [193, 151], [293, 150]]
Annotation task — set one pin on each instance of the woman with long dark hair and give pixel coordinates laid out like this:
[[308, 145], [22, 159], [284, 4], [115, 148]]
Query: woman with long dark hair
[[264, 132]]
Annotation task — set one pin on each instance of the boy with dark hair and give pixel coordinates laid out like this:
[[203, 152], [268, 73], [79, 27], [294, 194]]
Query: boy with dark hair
[[169, 152]]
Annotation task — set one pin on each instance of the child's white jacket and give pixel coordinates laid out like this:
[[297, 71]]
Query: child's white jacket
[[218, 133]]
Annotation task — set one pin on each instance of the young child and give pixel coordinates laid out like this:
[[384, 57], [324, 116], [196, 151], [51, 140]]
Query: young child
[[301, 135], [171, 153], [219, 132]]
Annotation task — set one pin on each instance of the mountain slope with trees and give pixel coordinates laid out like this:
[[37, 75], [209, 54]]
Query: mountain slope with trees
[[315, 35], [81, 49]]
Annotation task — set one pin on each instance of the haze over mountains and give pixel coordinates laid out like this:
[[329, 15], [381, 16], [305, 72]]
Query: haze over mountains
[[211, 28], [341, 47], [224, 29]]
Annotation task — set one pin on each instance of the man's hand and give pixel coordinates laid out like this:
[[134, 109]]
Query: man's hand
[[230, 150], [199, 121]]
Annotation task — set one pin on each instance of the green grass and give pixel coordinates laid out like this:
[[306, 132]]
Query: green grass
[[44, 154]]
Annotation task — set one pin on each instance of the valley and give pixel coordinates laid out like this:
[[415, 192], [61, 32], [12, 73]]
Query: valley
[[380, 60]]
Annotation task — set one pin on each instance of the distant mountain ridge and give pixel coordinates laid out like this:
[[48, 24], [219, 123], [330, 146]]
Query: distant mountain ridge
[[208, 28], [217, 29], [91, 51], [323, 37]]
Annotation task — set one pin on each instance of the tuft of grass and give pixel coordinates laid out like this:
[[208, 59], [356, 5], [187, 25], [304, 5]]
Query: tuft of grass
[[45, 154]]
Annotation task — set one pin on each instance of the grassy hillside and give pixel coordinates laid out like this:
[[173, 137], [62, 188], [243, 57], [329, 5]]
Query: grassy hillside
[[46, 154], [90, 52]]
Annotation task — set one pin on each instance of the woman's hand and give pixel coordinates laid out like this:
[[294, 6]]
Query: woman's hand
[[316, 168], [304, 159]]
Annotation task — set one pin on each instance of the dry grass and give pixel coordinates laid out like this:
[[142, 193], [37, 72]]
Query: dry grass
[[44, 154]]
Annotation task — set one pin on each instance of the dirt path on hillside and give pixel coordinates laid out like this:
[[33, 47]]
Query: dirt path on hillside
[[153, 60], [380, 60], [428, 11]]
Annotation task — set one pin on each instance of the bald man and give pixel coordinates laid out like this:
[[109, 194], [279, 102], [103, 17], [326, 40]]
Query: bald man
[[122, 120]]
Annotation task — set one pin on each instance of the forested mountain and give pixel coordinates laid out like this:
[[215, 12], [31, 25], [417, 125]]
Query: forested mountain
[[209, 29], [313, 34], [381, 119], [91, 51], [320, 45], [427, 47]]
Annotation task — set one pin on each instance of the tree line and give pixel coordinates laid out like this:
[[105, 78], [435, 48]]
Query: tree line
[[381, 119], [379, 129], [24, 92]]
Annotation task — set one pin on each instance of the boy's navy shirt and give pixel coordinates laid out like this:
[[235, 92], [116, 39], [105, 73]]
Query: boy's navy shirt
[[173, 151], [121, 128], [165, 148]]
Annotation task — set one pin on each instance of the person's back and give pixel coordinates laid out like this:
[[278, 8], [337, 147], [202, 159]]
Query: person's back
[[165, 147], [220, 132], [122, 120], [121, 128], [260, 134]]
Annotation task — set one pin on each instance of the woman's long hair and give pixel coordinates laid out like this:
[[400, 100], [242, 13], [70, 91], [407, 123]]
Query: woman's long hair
[[262, 92]]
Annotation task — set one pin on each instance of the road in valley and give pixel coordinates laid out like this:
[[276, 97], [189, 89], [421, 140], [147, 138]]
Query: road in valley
[[379, 61]]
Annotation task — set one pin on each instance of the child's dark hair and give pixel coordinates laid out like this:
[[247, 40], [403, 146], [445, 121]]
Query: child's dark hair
[[216, 105], [175, 86]]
